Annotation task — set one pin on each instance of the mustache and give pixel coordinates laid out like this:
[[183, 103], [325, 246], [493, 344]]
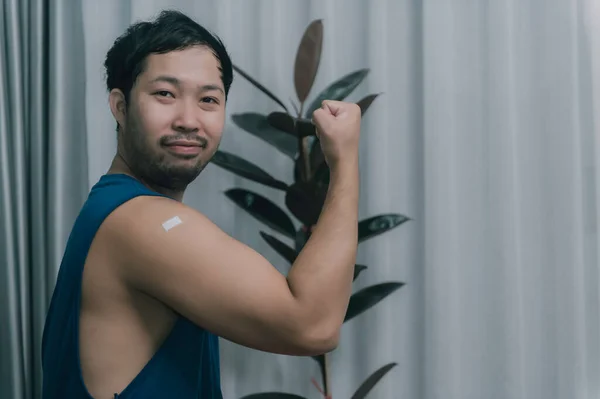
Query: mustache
[[168, 140]]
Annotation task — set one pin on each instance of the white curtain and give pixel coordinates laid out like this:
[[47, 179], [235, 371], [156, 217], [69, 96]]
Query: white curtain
[[484, 136]]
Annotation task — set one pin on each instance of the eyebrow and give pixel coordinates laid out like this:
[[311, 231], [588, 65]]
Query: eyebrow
[[176, 82]]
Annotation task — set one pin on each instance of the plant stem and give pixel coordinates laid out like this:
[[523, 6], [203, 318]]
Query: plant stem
[[326, 385], [306, 154], [303, 148]]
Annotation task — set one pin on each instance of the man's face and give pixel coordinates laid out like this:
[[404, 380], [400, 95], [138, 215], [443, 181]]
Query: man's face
[[175, 117]]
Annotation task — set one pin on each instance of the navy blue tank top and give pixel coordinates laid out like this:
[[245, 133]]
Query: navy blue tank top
[[185, 366]]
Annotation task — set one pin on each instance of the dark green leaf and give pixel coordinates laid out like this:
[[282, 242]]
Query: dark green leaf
[[366, 102], [257, 125], [298, 166], [263, 210], [305, 127], [308, 57], [338, 90], [357, 270], [370, 382], [246, 169], [368, 297], [305, 201], [259, 86], [272, 395], [321, 175], [376, 225], [294, 126], [281, 248], [282, 121]]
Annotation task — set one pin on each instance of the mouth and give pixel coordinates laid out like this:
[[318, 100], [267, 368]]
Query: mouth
[[185, 147], [185, 143]]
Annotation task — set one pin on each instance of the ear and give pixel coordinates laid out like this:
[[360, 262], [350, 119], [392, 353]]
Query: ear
[[118, 105]]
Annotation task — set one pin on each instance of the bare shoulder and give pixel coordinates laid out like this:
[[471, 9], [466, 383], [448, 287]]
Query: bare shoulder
[[149, 226], [151, 215], [156, 237]]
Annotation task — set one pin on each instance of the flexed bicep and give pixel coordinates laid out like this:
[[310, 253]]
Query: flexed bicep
[[181, 258]]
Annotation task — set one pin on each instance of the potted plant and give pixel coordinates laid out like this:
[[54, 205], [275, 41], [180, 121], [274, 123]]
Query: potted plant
[[293, 134]]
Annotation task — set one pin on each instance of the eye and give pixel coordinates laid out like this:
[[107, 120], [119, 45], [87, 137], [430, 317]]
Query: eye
[[209, 100], [164, 93]]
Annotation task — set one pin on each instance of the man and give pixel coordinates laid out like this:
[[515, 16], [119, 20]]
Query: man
[[147, 284]]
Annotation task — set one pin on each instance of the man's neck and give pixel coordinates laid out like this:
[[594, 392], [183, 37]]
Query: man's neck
[[119, 166]]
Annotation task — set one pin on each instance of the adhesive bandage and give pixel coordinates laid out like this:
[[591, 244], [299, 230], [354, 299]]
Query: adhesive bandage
[[169, 224]]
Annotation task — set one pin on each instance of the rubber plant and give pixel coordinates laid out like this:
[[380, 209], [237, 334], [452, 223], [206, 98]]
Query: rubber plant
[[293, 134]]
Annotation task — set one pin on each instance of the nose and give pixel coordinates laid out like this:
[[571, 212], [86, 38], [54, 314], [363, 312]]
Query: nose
[[188, 118]]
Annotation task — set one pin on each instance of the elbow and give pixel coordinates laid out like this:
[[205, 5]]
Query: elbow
[[312, 333], [319, 340], [328, 344]]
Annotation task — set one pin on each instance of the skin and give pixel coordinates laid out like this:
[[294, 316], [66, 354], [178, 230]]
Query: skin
[[133, 293], [180, 97]]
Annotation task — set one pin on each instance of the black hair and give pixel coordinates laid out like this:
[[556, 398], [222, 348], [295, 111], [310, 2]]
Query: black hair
[[170, 31]]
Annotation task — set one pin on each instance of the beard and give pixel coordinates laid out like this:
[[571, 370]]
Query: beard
[[154, 167]]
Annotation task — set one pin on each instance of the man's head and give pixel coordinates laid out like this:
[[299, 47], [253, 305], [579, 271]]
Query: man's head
[[168, 81]]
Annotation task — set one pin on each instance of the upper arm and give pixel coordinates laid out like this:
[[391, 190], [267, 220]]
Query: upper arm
[[205, 275]]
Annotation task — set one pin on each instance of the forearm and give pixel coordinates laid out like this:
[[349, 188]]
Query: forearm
[[321, 277]]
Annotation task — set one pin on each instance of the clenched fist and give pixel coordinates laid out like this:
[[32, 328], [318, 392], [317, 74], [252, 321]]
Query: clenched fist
[[338, 130]]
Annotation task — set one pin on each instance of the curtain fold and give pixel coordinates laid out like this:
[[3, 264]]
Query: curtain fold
[[43, 172], [511, 239]]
